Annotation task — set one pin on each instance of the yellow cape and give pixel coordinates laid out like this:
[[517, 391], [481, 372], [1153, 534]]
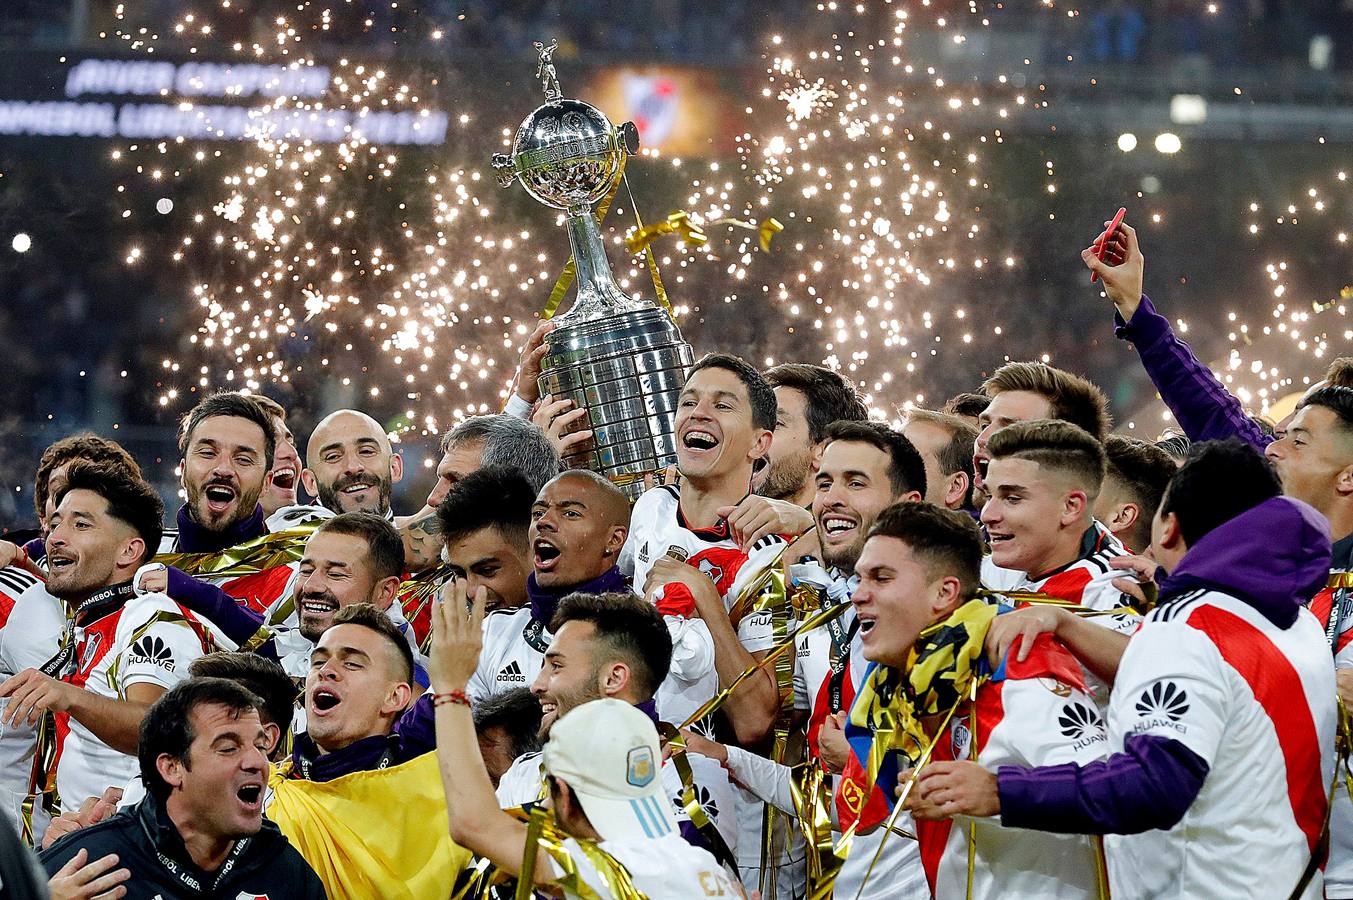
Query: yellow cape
[[375, 835]]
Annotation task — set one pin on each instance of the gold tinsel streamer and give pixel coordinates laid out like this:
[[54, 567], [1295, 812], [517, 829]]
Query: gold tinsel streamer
[[678, 223], [247, 558], [690, 802]]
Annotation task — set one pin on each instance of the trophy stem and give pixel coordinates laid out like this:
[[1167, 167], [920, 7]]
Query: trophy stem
[[598, 293]]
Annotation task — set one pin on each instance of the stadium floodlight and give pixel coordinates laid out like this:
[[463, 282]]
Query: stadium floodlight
[[1168, 142]]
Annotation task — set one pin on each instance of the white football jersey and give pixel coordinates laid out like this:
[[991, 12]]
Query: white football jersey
[[657, 528], [149, 640], [1257, 704], [514, 650], [31, 624], [665, 868], [524, 782]]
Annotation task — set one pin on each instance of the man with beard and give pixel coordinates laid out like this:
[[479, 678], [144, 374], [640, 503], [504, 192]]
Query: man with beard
[[120, 652], [279, 491], [578, 527], [200, 830], [228, 443], [350, 465], [807, 399], [864, 468], [613, 645], [945, 442]]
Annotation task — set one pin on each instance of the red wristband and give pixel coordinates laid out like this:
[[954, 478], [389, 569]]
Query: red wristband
[[457, 697]]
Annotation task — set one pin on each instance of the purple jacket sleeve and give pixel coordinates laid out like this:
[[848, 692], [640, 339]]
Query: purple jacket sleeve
[[1202, 406], [239, 623], [1149, 785], [417, 728]]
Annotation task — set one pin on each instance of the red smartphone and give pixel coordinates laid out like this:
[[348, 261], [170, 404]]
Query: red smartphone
[[1101, 246]]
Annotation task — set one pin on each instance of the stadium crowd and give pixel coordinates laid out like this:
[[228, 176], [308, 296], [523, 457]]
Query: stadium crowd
[[994, 652]]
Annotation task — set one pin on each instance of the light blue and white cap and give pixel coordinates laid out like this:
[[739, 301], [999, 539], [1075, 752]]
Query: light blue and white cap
[[607, 752]]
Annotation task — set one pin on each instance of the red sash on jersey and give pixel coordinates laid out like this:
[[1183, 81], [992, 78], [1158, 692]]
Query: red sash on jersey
[[721, 564], [259, 590]]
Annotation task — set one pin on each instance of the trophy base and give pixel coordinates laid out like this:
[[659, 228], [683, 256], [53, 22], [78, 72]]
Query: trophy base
[[626, 370]]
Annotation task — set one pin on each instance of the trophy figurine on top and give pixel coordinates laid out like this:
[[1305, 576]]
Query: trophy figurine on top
[[620, 358]]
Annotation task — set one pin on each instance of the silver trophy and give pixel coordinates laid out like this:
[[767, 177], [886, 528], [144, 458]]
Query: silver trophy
[[620, 358]]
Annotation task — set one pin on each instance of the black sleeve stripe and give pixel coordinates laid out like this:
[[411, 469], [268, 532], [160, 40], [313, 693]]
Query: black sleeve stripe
[[769, 540], [17, 580]]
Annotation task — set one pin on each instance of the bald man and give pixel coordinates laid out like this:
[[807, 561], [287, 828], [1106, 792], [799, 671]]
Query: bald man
[[350, 465], [579, 523]]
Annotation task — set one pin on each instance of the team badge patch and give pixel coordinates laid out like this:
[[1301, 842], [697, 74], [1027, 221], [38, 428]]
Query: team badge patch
[[1057, 687], [960, 740], [640, 769]]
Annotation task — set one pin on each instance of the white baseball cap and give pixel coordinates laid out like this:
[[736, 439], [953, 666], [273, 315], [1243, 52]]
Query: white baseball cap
[[607, 752]]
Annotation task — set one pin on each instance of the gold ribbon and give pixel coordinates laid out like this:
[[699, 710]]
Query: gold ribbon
[[570, 272], [248, 558], [718, 700], [543, 834], [766, 229], [690, 802], [678, 223], [1340, 580]]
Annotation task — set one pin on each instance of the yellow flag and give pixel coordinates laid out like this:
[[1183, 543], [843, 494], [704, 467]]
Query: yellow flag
[[375, 835]]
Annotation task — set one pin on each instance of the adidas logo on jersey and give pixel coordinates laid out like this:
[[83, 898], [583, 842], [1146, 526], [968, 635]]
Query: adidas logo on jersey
[[151, 650], [643, 553], [511, 673], [1163, 704], [1082, 724]]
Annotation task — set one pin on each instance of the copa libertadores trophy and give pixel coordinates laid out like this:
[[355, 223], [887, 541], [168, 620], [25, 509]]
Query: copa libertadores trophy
[[620, 358]]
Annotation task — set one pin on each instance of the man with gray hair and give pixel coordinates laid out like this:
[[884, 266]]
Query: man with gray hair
[[477, 443]]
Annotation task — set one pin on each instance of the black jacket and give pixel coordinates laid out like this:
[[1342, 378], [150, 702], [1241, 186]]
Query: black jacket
[[148, 844]]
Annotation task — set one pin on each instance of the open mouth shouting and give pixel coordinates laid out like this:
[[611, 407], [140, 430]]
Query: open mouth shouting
[[980, 461], [284, 478], [59, 562], [546, 555], [250, 795], [220, 497], [324, 700]]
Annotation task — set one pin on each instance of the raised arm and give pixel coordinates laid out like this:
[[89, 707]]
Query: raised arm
[[1204, 408], [476, 821]]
